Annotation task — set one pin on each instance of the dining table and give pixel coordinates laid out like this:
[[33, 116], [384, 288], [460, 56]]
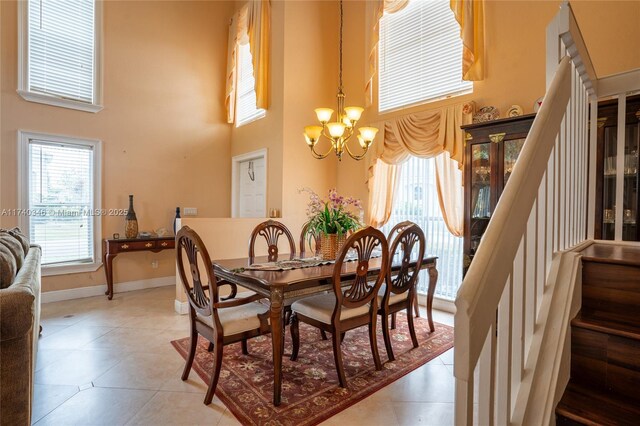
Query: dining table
[[281, 287]]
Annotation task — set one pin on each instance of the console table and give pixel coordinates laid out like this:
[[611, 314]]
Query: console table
[[113, 247]]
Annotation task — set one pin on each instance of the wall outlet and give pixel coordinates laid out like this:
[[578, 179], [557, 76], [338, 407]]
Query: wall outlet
[[190, 211], [154, 264]]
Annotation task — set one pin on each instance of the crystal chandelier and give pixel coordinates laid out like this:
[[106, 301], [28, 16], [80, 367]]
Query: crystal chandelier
[[340, 131]]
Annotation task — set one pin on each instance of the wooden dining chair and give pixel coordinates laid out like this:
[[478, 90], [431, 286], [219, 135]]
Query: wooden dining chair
[[222, 322], [395, 231], [314, 240], [348, 307], [399, 290], [271, 230]]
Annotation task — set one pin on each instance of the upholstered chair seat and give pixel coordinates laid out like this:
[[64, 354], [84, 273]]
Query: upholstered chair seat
[[320, 308], [393, 298], [237, 319]]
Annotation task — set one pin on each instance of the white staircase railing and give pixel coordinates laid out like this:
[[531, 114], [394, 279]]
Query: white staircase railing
[[505, 299]]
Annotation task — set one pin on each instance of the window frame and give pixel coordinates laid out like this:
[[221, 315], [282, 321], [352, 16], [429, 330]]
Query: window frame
[[437, 98], [260, 112], [24, 173], [50, 99]]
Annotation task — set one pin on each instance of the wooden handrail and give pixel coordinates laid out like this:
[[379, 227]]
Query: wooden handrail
[[484, 282]]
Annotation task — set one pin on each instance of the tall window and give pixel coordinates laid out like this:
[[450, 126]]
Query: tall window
[[60, 52], [60, 200], [246, 109], [420, 56], [417, 201]]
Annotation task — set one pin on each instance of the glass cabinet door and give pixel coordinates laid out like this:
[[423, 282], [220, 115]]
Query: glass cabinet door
[[630, 212], [481, 207], [512, 150], [626, 210], [609, 183]]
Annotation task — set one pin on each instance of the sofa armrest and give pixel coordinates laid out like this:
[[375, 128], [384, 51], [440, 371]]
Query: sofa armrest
[[16, 312]]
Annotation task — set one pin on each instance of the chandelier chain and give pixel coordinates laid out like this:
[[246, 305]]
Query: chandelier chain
[[340, 59]]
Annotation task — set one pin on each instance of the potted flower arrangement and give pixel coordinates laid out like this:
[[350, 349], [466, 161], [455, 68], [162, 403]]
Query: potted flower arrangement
[[332, 220]]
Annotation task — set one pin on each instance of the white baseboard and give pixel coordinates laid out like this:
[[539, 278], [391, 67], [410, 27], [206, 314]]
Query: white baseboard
[[181, 307], [438, 303], [99, 290]]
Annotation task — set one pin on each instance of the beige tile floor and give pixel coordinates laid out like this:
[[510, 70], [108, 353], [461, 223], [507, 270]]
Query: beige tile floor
[[110, 362]]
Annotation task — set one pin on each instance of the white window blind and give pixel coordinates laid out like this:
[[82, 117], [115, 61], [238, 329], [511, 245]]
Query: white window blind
[[61, 200], [417, 200], [420, 55], [246, 109], [61, 48]]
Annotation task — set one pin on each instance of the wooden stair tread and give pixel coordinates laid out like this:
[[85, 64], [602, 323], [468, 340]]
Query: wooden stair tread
[[609, 253], [589, 407], [610, 327]]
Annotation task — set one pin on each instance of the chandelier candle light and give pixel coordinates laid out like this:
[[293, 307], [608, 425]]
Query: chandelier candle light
[[340, 131]]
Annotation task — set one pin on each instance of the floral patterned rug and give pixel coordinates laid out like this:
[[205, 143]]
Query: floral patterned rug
[[310, 389]]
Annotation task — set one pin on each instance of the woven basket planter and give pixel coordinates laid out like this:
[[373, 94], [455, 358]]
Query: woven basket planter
[[330, 245]]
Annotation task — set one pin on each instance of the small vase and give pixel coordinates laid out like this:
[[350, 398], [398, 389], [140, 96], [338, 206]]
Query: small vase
[[330, 245], [131, 222], [175, 220]]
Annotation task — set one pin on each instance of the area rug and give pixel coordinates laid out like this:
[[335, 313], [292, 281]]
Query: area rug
[[310, 389]]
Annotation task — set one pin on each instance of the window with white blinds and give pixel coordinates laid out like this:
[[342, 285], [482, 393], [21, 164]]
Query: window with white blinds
[[246, 110], [420, 55], [62, 198], [417, 200], [60, 57]]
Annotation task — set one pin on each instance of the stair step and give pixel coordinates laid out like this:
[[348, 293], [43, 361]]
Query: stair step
[[606, 356], [613, 254], [611, 291], [609, 327], [583, 406]]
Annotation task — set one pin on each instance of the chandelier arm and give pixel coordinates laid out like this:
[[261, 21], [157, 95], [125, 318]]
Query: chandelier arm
[[355, 157], [320, 156]]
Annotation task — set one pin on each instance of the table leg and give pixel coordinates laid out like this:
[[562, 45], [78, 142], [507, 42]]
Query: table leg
[[433, 279], [277, 337], [108, 270], [416, 307]]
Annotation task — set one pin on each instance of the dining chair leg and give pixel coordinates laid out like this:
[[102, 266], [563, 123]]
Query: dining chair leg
[[342, 337], [393, 321], [387, 337], [323, 335], [295, 336], [217, 365], [192, 353], [374, 343], [245, 347], [210, 347], [337, 356], [416, 306], [412, 329]]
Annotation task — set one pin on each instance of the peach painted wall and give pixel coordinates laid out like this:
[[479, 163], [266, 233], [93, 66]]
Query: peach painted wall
[[311, 77], [163, 128], [267, 132], [303, 77], [515, 57]]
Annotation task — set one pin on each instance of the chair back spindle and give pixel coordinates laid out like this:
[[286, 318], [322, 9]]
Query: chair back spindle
[[404, 245], [189, 242], [362, 289], [271, 231], [308, 235]]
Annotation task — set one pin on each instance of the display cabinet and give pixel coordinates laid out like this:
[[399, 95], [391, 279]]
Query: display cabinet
[[618, 162], [491, 151]]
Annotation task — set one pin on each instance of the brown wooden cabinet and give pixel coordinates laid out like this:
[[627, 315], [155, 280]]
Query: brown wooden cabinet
[[491, 151], [608, 160]]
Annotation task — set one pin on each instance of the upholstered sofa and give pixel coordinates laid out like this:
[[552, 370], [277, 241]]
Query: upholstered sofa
[[19, 325]]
